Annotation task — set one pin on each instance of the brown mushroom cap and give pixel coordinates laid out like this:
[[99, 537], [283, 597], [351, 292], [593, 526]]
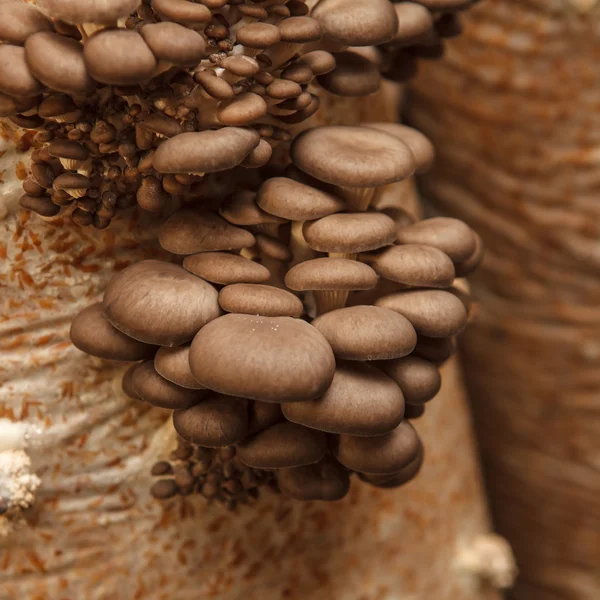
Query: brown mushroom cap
[[241, 209], [360, 401], [61, 148], [119, 57], [388, 453], [272, 248], [299, 72], [262, 415], [300, 30], [326, 480], [225, 269], [71, 181], [214, 86], [319, 61], [92, 333], [451, 236], [352, 156], [181, 11], [242, 109], [258, 35], [159, 303], [419, 379], [58, 106], [277, 359], [240, 65], [205, 151], [350, 233], [353, 76], [57, 61], [437, 350], [330, 274], [88, 11], [215, 422], [434, 313], [158, 391], [255, 299], [357, 22], [413, 264], [127, 383], [367, 333], [283, 89], [444, 5], [414, 23], [9, 107], [282, 446], [173, 364], [174, 43], [161, 124], [41, 205], [289, 199], [15, 77], [404, 475], [187, 232], [260, 156], [467, 266], [419, 145], [19, 21]]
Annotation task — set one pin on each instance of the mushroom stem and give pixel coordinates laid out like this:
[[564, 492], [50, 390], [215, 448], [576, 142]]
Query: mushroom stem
[[359, 198], [328, 300], [301, 251], [277, 268], [352, 256]]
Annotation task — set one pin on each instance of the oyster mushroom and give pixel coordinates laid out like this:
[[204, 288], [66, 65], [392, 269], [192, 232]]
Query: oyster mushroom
[[223, 268], [242, 109], [72, 155], [73, 184], [326, 480], [360, 401], [282, 446], [91, 332], [159, 303], [353, 76], [182, 11], [289, 359], [295, 32], [319, 61], [41, 205], [215, 422], [419, 379], [436, 350], [150, 387], [19, 21], [401, 477], [467, 266], [330, 280], [355, 159], [261, 415], [241, 209], [367, 333], [59, 108], [16, 78], [79, 12], [256, 299], [415, 23], [173, 364]]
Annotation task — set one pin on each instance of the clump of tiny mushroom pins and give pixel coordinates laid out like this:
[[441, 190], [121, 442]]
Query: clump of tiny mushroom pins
[[151, 102], [298, 329]]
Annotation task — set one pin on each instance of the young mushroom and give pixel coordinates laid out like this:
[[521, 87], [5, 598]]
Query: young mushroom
[[360, 401], [401, 477], [223, 268], [272, 359], [16, 79], [256, 299], [174, 365], [19, 21], [419, 379], [353, 76], [72, 155]]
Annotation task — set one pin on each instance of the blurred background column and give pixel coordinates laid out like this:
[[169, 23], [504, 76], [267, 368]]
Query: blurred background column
[[514, 111]]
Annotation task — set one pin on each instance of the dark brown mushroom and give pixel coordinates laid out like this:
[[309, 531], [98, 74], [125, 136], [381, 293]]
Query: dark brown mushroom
[[225, 269], [353, 76], [419, 379], [326, 480], [173, 364]]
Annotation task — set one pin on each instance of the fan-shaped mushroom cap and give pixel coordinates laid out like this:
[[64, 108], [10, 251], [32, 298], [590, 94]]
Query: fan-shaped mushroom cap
[[289, 199], [350, 233], [159, 303], [119, 57], [357, 22], [205, 151], [272, 248], [419, 379], [255, 299], [367, 333], [388, 453], [353, 76], [73, 183], [437, 350], [16, 78], [420, 146], [72, 153], [414, 23], [214, 86], [260, 156], [215, 422], [467, 266], [283, 89], [41, 205], [360, 401], [326, 480], [330, 274], [10, 107], [225, 269], [241, 209], [413, 264], [353, 156], [174, 43], [300, 30], [451, 236], [173, 364], [404, 475], [258, 35], [262, 415], [19, 21], [277, 359], [127, 383], [182, 11], [319, 61], [240, 65], [434, 313], [158, 391], [282, 446], [88, 11], [444, 5], [242, 109], [187, 232], [92, 333]]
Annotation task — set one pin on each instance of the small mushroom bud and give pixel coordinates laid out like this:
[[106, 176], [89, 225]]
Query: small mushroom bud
[[41, 205], [74, 184], [151, 196], [327, 480]]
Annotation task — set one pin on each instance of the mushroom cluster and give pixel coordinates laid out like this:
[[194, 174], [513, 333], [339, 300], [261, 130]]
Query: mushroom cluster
[[150, 102], [298, 328]]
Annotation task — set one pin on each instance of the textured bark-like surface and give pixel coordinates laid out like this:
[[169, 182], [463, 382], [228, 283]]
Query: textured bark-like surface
[[95, 533], [513, 112]]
